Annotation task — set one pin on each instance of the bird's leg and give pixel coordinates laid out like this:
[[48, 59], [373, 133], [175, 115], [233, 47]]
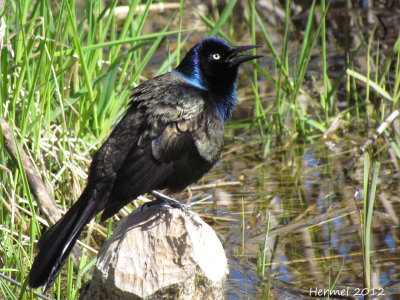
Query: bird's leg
[[170, 201], [161, 198], [173, 203]]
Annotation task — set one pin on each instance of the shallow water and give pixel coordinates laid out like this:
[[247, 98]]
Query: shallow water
[[314, 223]]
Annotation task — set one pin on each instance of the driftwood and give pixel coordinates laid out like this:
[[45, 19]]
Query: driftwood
[[159, 253]]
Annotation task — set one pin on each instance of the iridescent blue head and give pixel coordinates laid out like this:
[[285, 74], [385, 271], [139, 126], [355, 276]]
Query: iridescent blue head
[[212, 65]]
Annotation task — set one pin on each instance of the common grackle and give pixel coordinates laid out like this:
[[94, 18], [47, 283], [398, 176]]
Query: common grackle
[[171, 134]]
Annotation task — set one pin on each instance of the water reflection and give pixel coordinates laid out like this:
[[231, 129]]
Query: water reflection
[[315, 223]]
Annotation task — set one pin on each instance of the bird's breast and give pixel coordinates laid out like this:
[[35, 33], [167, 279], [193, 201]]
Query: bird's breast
[[210, 141]]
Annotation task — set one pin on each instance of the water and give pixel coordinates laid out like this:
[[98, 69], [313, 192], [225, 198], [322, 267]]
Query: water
[[314, 222]]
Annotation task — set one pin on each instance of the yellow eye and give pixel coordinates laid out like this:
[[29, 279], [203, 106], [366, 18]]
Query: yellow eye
[[216, 56]]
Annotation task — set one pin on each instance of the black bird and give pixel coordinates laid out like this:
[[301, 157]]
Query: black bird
[[171, 135]]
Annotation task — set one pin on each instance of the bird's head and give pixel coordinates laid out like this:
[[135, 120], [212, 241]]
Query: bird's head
[[212, 64]]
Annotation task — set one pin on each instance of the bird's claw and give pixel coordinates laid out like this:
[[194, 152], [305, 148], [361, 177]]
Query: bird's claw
[[161, 198]]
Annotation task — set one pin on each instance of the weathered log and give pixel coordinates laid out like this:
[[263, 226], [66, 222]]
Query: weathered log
[[159, 253]]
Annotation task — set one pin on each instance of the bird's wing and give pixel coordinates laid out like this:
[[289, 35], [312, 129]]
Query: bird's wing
[[176, 137]]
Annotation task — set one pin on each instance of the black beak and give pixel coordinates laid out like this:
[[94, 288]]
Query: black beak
[[236, 59]]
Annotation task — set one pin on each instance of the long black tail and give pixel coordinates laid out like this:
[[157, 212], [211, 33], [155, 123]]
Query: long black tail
[[58, 241]]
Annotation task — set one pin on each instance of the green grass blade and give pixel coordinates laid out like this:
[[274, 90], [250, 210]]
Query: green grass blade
[[223, 18], [368, 222]]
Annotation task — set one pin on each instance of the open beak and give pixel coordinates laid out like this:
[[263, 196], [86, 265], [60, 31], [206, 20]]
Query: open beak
[[236, 59]]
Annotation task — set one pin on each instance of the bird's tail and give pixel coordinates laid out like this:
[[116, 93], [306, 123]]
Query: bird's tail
[[58, 241]]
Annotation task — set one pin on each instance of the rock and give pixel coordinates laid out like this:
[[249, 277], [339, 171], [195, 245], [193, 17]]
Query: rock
[[159, 253]]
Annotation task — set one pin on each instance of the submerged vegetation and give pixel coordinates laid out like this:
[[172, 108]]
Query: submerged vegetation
[[305, 194]]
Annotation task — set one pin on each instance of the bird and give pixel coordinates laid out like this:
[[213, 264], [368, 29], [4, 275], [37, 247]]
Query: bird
[[170, 136]]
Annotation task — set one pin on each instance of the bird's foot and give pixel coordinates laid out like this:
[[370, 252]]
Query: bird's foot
[[161, 198], [170, 201]]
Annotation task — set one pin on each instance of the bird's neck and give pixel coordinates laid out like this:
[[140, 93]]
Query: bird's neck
[[222, 91], [225, 102], [190, 70], [221, 95]]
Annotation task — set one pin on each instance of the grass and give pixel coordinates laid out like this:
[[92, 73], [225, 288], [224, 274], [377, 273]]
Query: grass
[[66, 74], [369, 200], [263, 255]]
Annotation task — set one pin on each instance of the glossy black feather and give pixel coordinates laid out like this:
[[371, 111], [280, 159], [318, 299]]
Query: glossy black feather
[[170, 136]]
